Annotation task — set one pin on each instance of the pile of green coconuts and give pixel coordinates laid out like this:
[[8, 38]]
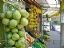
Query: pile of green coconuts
[[14, 22]]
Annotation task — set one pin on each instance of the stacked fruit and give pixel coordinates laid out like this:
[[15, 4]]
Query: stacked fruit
[[32, 22], [14, 22], [34, 11]]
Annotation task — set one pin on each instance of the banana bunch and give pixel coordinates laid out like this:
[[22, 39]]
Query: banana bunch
[[35, 9], [32, 19], [32, 22]]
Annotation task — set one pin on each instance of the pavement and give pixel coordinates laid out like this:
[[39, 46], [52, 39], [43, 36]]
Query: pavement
[[54, 41]]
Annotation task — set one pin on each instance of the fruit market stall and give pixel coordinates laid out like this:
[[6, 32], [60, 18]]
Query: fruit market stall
[[21, 22], [13, 20]]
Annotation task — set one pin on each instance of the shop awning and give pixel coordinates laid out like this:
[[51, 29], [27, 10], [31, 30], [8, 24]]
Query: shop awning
[[52, 13]]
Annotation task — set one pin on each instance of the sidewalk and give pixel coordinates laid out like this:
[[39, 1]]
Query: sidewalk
[[54, 41]]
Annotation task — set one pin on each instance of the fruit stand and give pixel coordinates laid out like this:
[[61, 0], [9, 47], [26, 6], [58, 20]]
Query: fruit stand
[[20, 23], [14, 19]]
